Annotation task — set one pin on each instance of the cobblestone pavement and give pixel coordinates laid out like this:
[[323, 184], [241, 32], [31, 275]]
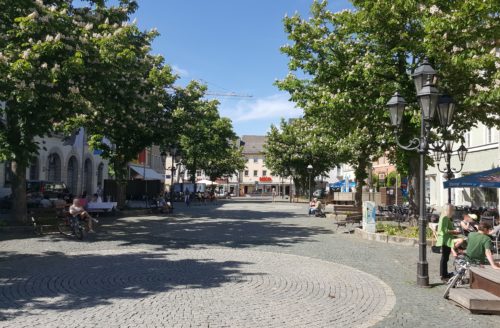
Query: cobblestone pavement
[[236, 264]]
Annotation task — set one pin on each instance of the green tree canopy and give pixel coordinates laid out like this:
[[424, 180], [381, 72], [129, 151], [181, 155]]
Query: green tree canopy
[[293, 146], [207, 141], [345, 66]]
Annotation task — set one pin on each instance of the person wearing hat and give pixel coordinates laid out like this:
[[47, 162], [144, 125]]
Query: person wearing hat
[[468, 224]]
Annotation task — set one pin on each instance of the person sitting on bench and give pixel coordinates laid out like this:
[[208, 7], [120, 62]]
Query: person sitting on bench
[[312, 206]]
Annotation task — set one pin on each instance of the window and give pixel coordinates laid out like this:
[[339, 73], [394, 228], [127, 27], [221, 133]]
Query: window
[[255, 160], [264, 173], [198, 173], [246, 173], [255, 173], [489, 135]]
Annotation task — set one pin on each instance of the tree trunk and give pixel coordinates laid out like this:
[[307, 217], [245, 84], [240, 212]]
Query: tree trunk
[[19, 204], [361, 175], [121, 197], [121, 182]]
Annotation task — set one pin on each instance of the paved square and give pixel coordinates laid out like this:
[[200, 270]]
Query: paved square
[[237, 264]]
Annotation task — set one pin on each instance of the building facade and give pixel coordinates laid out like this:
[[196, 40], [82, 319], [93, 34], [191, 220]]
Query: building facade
[[483, 154], [67, 160], [256, 178]]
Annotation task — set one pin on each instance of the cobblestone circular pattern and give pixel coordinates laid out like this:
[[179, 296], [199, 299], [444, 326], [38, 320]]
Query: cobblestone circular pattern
[[188, 288]]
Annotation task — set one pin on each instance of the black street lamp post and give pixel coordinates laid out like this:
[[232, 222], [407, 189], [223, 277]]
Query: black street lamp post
[[175, 158], [292, 172], [429, 101], [446, 153], [309, 170], [163, 156]]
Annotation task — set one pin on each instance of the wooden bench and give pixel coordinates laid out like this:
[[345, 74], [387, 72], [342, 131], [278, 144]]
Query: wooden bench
[[350, 219], [40, 216], [485, 278], [476, 300]]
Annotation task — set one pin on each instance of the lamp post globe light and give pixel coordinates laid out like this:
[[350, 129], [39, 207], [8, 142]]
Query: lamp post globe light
[[429, 102], [309, 170]]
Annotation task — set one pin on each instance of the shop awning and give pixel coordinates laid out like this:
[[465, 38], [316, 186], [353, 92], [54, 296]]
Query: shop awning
[[150, 173], [342, 184], [485, 179]]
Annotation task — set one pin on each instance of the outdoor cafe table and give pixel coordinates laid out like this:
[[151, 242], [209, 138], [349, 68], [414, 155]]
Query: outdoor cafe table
[[101, 207]]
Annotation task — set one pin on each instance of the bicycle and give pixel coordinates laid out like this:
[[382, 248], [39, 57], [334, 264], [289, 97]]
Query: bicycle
[[71, 226], [36, 228], [461, 275]]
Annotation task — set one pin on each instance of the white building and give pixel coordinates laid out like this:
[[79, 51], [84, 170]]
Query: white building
[[69, 161], [256, 177], [483, 154]]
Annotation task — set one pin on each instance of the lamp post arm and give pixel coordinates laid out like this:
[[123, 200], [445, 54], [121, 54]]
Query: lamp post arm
[[441, 170], [458, 170], [414, 144]]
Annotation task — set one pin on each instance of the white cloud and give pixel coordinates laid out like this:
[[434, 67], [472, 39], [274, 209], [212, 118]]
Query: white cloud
[[180, 71], [272, 107]]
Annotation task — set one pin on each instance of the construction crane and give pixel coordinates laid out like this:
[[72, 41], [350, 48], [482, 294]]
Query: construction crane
[[228, 94]]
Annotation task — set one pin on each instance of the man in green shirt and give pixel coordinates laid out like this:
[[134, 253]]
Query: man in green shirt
[[479, 246]]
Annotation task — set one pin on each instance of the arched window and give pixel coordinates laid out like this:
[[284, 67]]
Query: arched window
[[54, 174], [72, 175], [100, 175]]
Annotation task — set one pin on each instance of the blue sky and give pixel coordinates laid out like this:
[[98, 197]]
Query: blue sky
[[232, 46]]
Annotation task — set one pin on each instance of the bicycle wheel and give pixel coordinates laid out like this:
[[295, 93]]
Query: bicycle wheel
[[452, 283], [78, 230], [64, 227]]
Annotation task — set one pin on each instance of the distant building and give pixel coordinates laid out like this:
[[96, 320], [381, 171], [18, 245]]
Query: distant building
[[256, 178]]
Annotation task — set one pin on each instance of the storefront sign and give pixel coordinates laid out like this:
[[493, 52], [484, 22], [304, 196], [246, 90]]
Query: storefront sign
[[265, 179]]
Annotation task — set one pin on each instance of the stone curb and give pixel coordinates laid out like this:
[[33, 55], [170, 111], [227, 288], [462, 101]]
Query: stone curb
[[389, 239]]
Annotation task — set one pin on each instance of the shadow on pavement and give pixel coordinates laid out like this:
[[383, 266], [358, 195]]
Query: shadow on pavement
[[211, 226], [58, 282]]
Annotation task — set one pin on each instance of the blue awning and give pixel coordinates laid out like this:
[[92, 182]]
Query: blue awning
[[485, 179], [341, 183]]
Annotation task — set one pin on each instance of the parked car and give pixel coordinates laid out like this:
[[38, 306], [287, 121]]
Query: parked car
[[51, 190], [319, 193], [36, 190]]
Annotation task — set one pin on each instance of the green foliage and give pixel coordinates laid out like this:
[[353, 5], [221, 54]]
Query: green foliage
[[345, 66], [295, 145], [130, 107], [394, 230], [392, 177], [207, 141]]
